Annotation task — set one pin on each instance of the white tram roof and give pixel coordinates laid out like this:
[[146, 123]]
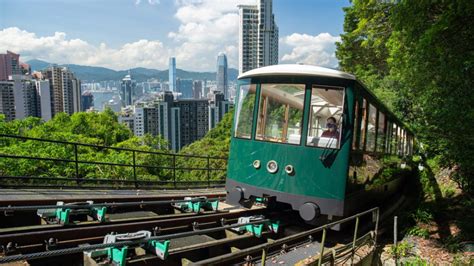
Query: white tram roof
[[296, 70]]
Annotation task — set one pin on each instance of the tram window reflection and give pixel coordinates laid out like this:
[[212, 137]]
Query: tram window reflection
[[244, 111], [325, 120], [280, 113]]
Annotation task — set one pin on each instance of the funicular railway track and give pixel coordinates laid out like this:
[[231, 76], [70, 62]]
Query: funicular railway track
[[207, 237], [24, 240]]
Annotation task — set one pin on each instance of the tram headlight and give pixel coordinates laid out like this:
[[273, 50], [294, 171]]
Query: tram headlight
[[256, 164], [272, 167]]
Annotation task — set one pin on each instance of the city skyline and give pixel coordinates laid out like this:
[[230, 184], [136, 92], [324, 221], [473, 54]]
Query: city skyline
[[192, 31]]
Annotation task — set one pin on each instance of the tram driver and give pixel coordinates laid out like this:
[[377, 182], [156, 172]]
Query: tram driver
[[330, 136]]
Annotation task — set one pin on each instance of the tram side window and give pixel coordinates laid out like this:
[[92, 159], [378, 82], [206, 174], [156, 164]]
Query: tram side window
[[399, 141], [244, 111], [371, 128], [393, 146], [325, 117], [381, 132], [280, 113], [388, 137]]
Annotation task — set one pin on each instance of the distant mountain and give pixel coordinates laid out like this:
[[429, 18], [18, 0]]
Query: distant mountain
[[91, 73]]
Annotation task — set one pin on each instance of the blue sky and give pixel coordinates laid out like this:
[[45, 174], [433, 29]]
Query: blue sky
[[131, 33]]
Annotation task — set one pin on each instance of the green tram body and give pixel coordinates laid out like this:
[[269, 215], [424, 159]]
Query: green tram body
[[317, 184]]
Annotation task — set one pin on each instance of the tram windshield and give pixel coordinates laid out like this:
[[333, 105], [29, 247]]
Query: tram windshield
[[280, 113], [324, 129]]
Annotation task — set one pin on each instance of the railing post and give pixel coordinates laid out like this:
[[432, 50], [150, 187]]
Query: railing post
[[208, 171], [354, 240], [174, 170], [264, 257], [322, 247], [76, 163], [134, 169]]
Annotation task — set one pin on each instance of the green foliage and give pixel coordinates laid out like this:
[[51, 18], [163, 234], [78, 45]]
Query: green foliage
[[417, 57], [87, 128], [416, 261], [422, 215], [402, 249], [418, 231]]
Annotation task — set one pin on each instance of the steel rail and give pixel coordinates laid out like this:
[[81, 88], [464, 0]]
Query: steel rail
[[27, 240], [70, 251], [118, 204]]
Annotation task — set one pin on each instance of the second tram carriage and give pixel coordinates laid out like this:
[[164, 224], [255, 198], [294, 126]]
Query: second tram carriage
[[311, 137]]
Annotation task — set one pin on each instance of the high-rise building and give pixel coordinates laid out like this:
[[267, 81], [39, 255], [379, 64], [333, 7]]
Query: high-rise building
[[19, 98], [172, 74], [185, 87], [65, 88], [197, 89], [9, 65], [193, 120], [7, 100], [222, 76], [180, 122], [43, 89], [127, 89], [258, 36], [218, 107], [87, 100]]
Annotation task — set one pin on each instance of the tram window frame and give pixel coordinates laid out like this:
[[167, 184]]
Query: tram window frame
[[371, 143], [238, 111], [258, 128], [341, 118]]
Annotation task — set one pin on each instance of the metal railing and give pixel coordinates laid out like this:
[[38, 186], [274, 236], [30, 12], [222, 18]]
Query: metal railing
[[128, 168], [347, 251]]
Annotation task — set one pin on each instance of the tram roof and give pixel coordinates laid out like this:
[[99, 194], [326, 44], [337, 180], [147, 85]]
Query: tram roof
[[296, 70]]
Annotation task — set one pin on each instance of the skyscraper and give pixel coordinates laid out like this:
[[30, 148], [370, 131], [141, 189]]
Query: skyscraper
[[87, 100], [127, 89], [172, 74], [258, 36], [221, 76], [9, 65]]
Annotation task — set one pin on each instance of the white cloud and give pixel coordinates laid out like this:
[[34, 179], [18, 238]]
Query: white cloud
[[207, 28], [59, 49], [308, 49]]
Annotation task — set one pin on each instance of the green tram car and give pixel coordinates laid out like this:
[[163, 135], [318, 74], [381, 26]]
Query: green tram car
[[314, 138]]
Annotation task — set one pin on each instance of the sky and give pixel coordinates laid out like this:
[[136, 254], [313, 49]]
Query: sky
[[123, 34]]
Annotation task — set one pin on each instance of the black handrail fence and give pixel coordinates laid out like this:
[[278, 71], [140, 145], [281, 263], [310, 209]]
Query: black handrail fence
[[82, 165]]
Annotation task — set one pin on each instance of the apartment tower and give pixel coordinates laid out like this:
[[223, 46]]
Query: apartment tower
[[258, 36]]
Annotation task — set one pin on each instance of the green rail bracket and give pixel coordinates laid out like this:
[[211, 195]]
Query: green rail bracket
[[118, 256], [64, 214], [258, 228], [159, 248], [196, 206], [99, 213]]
